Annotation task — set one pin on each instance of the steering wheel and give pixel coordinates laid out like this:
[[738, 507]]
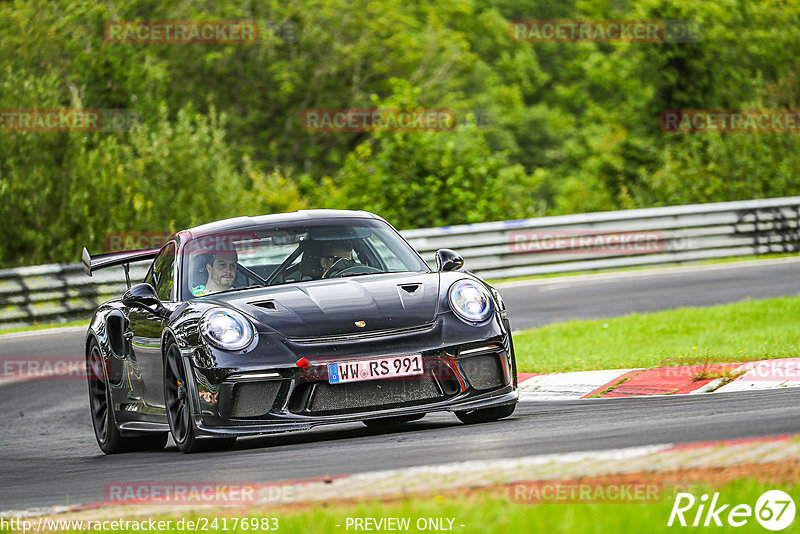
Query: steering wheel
[[342, 264]]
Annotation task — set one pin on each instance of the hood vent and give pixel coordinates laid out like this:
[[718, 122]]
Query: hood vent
[[267, 305]]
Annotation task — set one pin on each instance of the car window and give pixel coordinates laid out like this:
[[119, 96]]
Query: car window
[[297, 252], [388, 257], [162, 272]]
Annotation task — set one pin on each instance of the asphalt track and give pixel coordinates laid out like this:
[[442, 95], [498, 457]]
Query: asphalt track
[[545, 301], [48, 455]]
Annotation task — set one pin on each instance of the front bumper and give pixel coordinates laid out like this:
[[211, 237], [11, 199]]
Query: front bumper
[[258, 400], [509, 395]]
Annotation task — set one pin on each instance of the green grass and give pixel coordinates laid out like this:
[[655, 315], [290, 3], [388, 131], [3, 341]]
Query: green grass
[[744, 331], [732, 259], [490, 515], [485, 513], [46, 326]]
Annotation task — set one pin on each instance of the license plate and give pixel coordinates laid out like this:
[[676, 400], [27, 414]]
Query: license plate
[[374, 369]]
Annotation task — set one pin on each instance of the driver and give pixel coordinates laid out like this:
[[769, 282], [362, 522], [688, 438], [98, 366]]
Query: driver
[[335, 257], [221, 269]]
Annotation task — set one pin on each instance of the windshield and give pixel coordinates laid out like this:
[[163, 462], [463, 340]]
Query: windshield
[[290, 253]]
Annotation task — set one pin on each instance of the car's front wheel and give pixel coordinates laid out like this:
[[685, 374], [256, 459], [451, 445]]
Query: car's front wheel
[[176, 397], [103, 421], [485, 415]]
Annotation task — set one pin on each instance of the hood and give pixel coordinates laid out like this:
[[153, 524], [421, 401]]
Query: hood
[[335, 306]]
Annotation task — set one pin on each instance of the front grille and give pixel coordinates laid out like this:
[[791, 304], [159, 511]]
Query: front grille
[[331, 398], [254, 399], [483, 372]]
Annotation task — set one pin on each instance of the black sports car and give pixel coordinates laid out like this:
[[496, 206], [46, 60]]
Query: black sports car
[[282, 322]]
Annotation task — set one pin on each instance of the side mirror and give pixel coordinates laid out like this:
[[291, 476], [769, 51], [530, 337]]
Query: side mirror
[[144, 296], [448, 260]]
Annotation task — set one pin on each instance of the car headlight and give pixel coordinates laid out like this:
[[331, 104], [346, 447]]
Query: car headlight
[[226, 329], [470, 301]]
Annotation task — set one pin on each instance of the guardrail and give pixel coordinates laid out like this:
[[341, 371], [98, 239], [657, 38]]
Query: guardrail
[[590, 241], [617, 239], [57, 293]]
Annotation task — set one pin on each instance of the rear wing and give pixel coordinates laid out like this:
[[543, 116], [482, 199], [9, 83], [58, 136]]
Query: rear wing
[[110, 259]]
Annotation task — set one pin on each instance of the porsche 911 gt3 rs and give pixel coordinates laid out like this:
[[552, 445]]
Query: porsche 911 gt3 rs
[[256, 325]]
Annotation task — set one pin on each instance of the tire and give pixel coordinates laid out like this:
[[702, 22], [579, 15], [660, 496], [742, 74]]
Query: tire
[[383, 422], [104, 423], [176, 399], [486, 415]]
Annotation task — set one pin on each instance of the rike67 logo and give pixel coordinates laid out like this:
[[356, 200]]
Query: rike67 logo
[[774, 510]]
